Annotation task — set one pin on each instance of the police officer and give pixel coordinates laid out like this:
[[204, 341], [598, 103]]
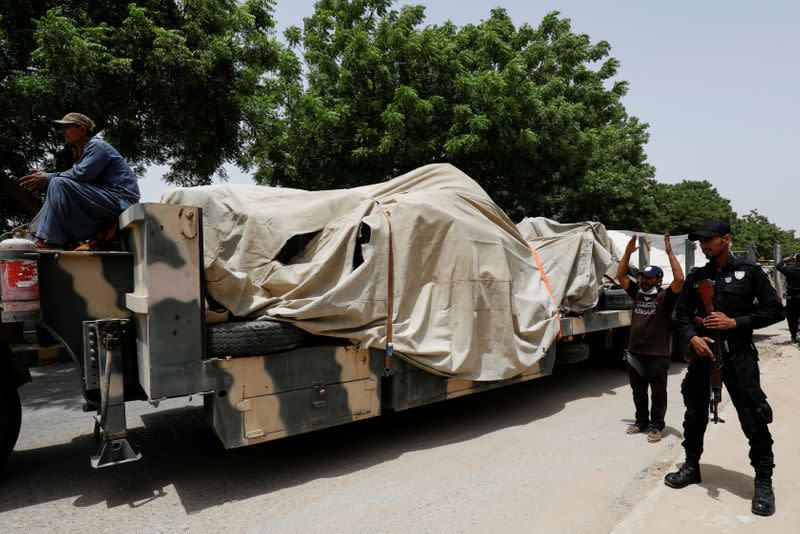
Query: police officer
[[743, 301], [790, 267]]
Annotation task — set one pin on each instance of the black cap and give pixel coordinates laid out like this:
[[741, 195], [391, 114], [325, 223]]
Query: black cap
[[711, 228]]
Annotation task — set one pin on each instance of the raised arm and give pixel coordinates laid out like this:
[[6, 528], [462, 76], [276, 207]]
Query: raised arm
[[789, 267], [677, 272], [622, 268]]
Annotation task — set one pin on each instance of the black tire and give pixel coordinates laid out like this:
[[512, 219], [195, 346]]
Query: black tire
[[614, 299], [253, 338], [572, 352], [10, 420]]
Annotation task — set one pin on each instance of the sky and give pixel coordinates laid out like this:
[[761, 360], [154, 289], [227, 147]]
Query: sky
[[717, 81]]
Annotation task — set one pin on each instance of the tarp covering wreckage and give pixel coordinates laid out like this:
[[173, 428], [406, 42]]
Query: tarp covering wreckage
[[467, 298]]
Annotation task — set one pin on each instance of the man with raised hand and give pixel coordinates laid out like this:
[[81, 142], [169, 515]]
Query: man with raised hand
[[650, 341]]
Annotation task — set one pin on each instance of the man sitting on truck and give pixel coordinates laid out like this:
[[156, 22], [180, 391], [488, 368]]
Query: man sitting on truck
[[86, 199], [650, 342]]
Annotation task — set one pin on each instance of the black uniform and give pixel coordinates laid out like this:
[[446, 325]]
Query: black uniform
[[792, 273], [741, 291]]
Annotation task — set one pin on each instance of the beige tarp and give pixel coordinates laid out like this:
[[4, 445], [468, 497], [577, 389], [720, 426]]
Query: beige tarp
[[575, 257], [468, 299]]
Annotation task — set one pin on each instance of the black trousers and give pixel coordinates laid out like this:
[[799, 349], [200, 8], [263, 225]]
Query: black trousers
[[655, 376], [740, 375], [793, 314]]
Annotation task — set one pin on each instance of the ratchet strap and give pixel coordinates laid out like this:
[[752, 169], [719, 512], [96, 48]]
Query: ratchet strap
[[387, 364], [547, 285]]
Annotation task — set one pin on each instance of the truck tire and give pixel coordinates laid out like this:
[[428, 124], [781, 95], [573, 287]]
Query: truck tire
[[615, 299], [572, 352], [10, 420], [253, 338]]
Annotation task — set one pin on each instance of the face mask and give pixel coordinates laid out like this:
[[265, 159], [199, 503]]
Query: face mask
[[652, 291]]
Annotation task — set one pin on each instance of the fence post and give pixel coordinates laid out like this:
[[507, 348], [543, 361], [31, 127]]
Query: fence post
[[777, 276], [644, 251], [751, 252], [688, 249]]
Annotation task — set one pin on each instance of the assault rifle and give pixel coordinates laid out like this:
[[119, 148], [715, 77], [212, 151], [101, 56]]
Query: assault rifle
[[706, 290]]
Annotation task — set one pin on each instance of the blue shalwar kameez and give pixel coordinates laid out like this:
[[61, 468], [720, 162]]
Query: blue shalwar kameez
[[82, 200]]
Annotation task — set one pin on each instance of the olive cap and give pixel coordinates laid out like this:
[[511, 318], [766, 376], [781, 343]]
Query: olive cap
[[77, 118]]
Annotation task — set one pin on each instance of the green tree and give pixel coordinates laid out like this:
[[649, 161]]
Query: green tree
[[191, 84], [682, 207], [760, 231], [531, 113]]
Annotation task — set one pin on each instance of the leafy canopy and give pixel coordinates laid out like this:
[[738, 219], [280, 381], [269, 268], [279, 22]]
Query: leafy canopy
[[531, 113], [192, 83], [683, 207], [534, 114], [757, 229]]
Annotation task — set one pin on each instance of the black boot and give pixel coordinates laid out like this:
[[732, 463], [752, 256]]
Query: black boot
[[689, 473], [764, 497]]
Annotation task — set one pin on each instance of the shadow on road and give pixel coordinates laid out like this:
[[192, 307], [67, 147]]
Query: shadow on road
[[56, 385], [180, 450], [716, 478]]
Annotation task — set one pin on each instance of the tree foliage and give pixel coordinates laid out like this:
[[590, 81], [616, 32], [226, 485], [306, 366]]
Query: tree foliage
[[192, 83], [757, 229], [682, 207], [531, 113]]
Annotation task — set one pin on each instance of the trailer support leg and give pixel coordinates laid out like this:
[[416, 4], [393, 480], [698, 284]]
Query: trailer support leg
[[106, 343]]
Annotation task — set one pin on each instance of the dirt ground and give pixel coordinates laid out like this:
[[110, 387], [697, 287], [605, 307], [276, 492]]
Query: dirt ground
[[550, 455]]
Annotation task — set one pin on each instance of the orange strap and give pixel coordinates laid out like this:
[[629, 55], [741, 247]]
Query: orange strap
[[387, 364], [547, 285]]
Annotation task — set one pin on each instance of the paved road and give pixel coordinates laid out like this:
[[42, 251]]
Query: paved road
[[550, 455]]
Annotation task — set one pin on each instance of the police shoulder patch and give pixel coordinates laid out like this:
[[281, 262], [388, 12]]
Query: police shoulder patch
[[739, 275]]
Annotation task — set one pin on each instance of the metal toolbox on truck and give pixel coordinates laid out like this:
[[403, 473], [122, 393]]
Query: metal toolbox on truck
[[260, 398]]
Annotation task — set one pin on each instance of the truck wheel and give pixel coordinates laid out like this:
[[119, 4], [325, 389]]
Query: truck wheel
[[10, 420], [572, 352], [253, 338], [614, 299]]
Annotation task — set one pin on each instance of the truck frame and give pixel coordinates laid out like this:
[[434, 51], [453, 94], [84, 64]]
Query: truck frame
[[133, 322]]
